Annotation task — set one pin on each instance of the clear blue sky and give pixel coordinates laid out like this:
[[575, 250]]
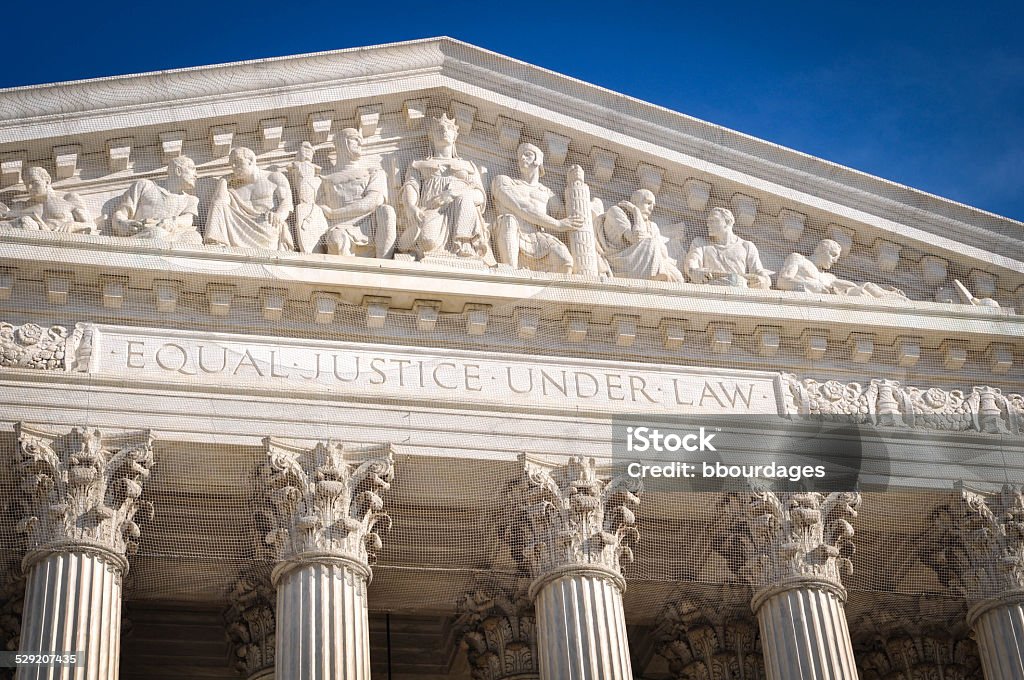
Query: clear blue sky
[[929, 94]]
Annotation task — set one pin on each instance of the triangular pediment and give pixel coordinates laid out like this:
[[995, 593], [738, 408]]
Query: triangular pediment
[[96, 138]]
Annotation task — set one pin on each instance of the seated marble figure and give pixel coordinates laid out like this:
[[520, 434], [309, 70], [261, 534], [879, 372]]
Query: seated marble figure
[[526, 227], [250, 208], [724, 258], [353, 199], [632, 242], [443, 199], [46, 210], [810, 274], [148, 210]]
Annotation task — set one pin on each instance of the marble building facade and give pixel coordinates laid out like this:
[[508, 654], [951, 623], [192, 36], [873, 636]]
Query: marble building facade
[[312, 368]]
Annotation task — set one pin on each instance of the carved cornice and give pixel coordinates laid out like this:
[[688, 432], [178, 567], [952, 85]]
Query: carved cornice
[[250, 625], [888, 403], [82, 489], [699, 648], [499, 630], [575, 521], [326, 502], [976, 544], [777, 541]]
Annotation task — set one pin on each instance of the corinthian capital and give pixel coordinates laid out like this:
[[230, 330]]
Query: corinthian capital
[[771, 539], [500, 633], [82, 489], [977, 543], [709, 647], [251, 625], [573, 519], [326, 501]]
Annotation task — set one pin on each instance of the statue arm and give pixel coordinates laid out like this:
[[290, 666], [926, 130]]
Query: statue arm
[[79, 213], [411, 195], [693, 264], [121, 221], [283, 196], [617, 229], [789, 276]]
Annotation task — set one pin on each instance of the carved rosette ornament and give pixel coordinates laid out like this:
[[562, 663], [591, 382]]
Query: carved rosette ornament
[[250, 626], [500, 634], [888, 403], [699, 648], [574, 520], [82, 490], [325, 504]]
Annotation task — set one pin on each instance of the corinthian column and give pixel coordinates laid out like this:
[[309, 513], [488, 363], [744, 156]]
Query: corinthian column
[[82, 493], [327, 505], [576, 532], [793, 548], [499, 631], [980, 552]]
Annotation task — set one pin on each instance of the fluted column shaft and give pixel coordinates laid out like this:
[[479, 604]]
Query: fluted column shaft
[[322, 623], [581, 627], [998, 626], [73, 604], [804, 633]]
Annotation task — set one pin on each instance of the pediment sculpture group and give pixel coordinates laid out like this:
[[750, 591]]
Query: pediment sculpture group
[[441, 202]]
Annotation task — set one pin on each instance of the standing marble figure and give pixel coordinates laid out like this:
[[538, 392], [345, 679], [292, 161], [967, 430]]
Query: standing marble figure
[[250, 208]]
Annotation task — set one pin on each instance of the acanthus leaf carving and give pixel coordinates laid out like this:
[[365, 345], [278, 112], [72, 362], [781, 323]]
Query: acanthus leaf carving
[[574, 518], [251, 623], [700, 645], [82, 489], [769, 538], [326, 500], [499, 629], [976, 545]]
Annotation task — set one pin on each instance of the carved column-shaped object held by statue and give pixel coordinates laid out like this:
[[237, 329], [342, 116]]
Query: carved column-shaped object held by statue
[[979, 551], [578, 531], [82, 498], [582, 242], [792, 548], [326, 508]]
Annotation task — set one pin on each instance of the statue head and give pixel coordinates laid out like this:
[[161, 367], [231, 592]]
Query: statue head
[[38, 181], [644, 200], [182, 169], [443, 131], [826, 253], [530, 157], [349, 145], [243, 163], [720, 223], [305, 152]]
